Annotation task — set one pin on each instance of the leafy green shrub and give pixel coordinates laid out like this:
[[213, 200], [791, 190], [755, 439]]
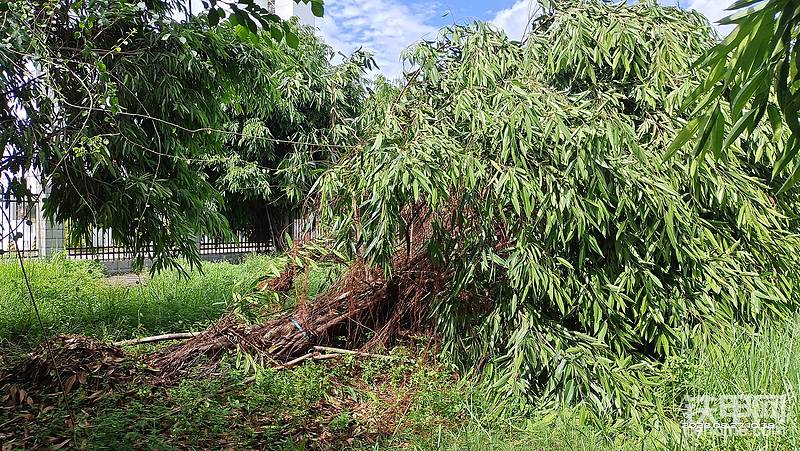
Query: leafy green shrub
[[577, 258], [341, 421]]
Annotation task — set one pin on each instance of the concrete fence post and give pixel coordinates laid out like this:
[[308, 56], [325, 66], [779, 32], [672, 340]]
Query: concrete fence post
[[52, 238], [51, 234]]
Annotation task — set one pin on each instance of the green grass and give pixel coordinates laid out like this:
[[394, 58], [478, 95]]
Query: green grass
[[740, 363], [73, 298], [351, 403]]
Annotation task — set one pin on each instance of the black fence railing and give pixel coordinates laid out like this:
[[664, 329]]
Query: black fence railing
[[23, 229], [243, 245], [19, 228], [102, 246], [304, 227]]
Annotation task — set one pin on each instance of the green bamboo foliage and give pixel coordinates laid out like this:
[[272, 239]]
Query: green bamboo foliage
[[751, 81], [579, 258]]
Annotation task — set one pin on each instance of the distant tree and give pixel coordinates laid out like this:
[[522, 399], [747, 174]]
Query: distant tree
[[282, 132], [117, 104]]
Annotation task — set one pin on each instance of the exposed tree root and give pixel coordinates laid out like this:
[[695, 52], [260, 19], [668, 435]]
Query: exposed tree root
[[281, 284], [362, 310]]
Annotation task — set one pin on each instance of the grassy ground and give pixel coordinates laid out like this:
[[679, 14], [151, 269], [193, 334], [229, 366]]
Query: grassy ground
[[414, 402], [73, 297]]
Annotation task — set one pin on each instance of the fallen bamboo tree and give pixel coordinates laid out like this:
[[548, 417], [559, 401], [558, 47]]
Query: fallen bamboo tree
[[516, 200], [363, 306]]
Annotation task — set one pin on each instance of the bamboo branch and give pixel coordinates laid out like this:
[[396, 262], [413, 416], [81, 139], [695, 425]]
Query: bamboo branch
[[155, 338], [332, 353], [325, 356], [294, 362], [349, 352]]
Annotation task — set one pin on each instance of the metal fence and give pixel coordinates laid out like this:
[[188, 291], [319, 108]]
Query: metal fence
[[102, 246], [304, 227], [23, 228], [242, 245]]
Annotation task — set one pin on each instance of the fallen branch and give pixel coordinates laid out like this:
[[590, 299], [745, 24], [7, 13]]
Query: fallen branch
[[294, 362], [349, 352], [332, 353], [156, 338], [8, 422], [325, 356]]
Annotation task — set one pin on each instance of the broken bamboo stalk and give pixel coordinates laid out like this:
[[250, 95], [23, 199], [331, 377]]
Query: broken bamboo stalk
[[294, 362], [332, 353], [349, 352], [156, 338], [325, 356]]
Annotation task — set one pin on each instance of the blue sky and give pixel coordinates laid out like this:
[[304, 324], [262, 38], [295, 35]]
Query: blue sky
[[388, 26]]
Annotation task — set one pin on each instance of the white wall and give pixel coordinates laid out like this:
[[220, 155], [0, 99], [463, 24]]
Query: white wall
[[13, 219]]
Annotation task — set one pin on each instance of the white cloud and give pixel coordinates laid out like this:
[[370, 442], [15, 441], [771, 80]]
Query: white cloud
[[387, 27], [515, 20], [382, 26], [714, 10]]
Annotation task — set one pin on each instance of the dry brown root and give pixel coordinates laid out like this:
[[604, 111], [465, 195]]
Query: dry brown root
[[280, 284], [362, 309]]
